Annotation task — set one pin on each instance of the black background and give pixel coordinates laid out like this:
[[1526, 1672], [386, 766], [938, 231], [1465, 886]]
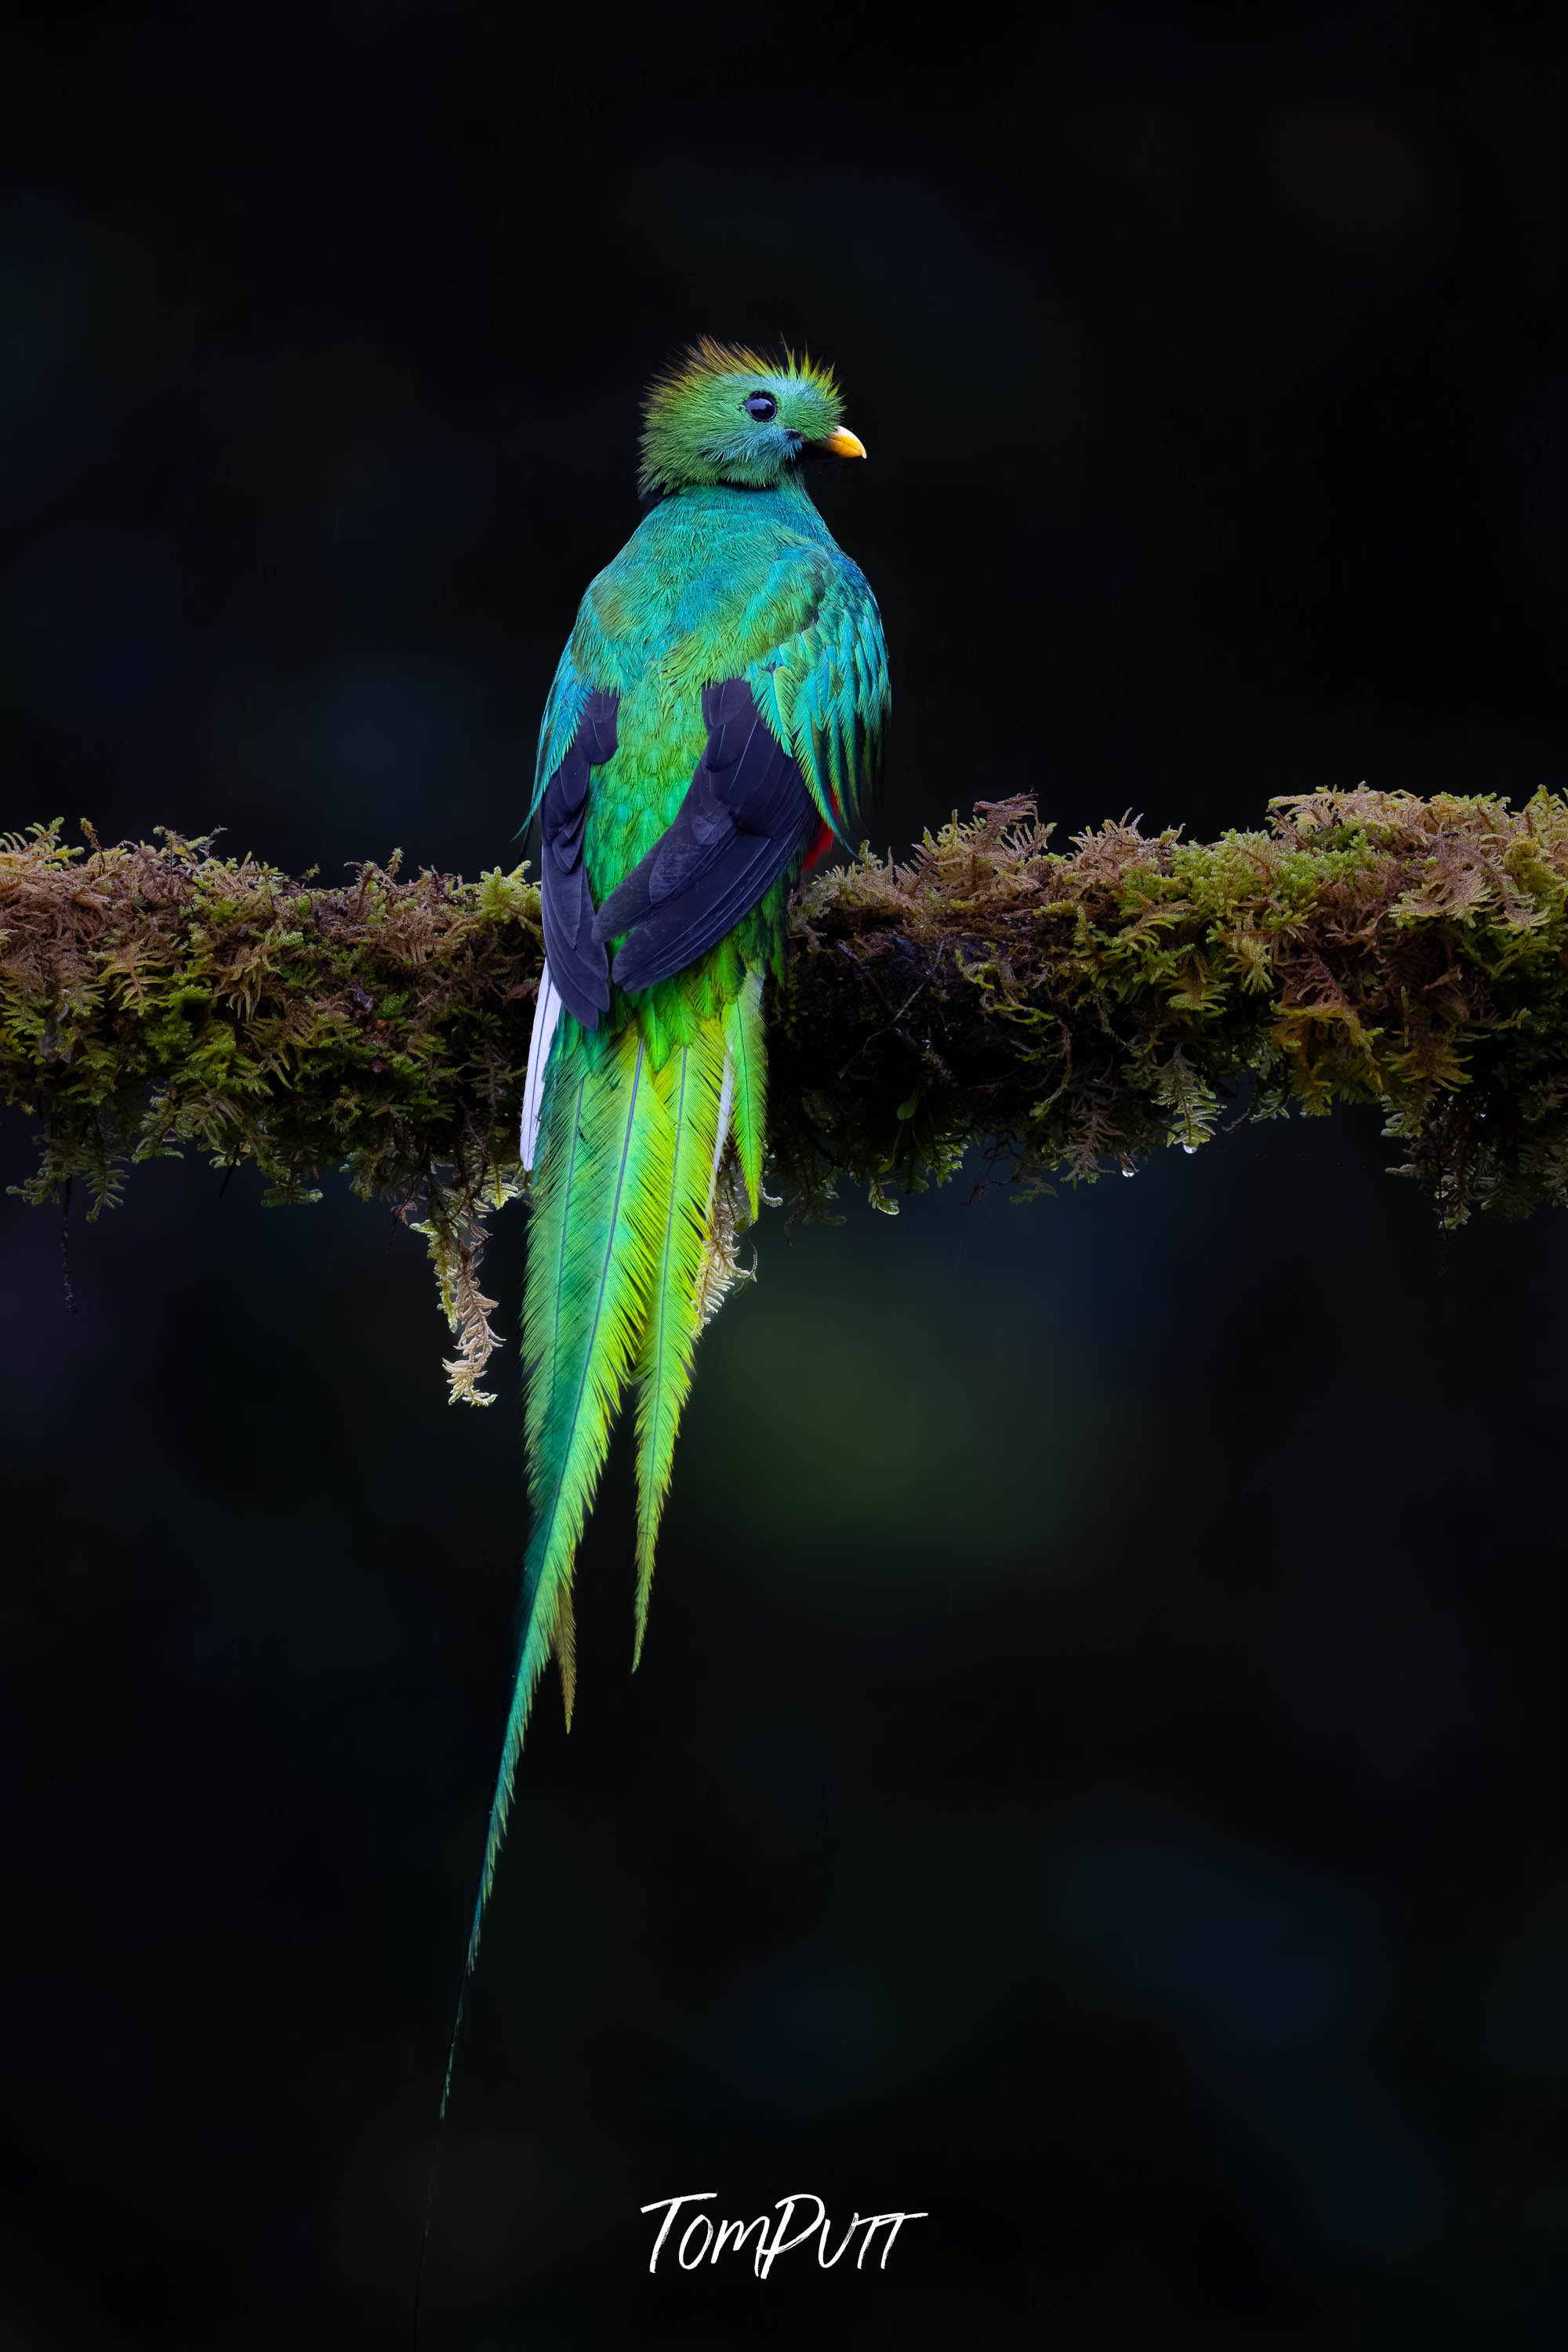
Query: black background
[[1092, 1772]]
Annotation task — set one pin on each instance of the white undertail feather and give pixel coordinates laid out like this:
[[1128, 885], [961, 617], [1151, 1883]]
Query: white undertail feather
[[726, 1105], [546, 1019], [720, 1269], [748, 1059], [728, 1213]]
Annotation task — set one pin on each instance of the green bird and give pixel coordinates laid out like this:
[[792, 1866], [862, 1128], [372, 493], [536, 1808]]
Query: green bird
[[714, 726]]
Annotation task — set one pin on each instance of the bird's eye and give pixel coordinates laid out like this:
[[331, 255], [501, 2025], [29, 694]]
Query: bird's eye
[[762, 406]]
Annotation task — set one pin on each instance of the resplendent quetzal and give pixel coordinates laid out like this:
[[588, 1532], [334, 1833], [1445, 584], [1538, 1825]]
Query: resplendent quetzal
[[715, 724]]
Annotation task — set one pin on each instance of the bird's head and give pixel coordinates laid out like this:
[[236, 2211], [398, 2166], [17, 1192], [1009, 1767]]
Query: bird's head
[[723, 414]]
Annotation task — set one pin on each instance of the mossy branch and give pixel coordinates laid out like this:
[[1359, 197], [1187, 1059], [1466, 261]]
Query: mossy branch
[[1067, 1012]]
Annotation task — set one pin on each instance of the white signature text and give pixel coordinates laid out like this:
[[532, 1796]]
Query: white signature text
[[701, 2240]]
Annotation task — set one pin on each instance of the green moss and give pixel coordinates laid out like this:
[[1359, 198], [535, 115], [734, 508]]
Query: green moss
[[155, 998], [1065, 1010], [1073, 1010]]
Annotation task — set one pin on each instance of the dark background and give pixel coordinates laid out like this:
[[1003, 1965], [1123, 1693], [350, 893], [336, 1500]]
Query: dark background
[[1092, 1773]]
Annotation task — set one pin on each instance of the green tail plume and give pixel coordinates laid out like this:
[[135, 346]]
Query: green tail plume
[[623, 1212], [691, 1085], [600, 1202]]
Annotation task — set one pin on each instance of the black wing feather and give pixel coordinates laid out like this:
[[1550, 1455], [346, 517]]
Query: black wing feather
[[578, 963], [746, 815]]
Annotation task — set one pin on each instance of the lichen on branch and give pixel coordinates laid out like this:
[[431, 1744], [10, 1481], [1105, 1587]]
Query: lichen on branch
[[1067, 1011]]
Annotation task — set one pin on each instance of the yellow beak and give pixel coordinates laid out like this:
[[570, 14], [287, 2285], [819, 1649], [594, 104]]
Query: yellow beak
[[841, 444]]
